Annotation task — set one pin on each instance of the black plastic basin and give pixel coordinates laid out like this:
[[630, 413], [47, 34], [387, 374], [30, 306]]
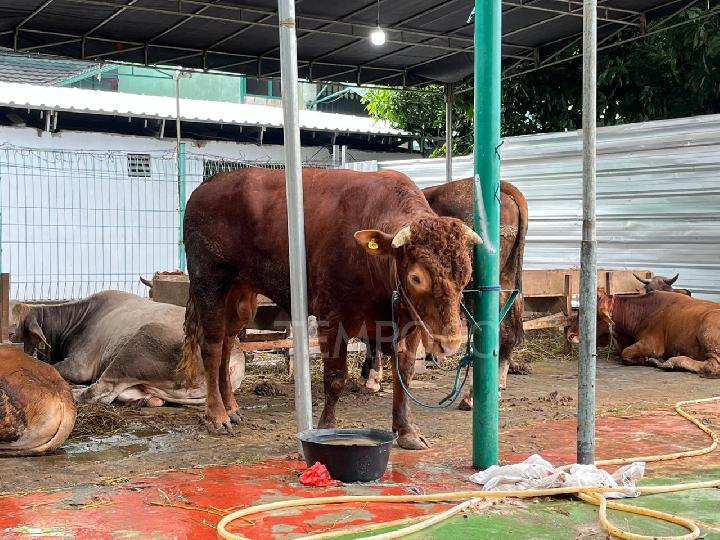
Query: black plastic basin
[[350, 455]]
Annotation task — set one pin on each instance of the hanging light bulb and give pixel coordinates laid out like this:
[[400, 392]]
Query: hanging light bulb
[[377, 36]]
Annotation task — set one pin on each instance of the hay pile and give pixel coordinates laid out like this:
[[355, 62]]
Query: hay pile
[[97, 420], [547, 344]]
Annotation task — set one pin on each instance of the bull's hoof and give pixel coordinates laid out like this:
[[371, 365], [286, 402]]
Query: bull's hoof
[[235, 417], [412, 441], [465, 404], [368, 386], [219, 428]]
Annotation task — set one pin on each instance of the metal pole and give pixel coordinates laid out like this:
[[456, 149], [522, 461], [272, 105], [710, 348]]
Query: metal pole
[[180, 154], [448, 131], [181, 207], [486, 271], [588, 251], [296, 217]]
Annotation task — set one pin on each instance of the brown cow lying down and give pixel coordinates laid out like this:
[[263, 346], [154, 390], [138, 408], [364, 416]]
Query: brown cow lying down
[[37, 410], [367, 234], [455, 199], [660, 283], [125, 347], [663, 329]]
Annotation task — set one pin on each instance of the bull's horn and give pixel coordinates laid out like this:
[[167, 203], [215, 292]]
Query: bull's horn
[[146, 282], [473, 236], [401, 238], [641, 280], [672, 280]]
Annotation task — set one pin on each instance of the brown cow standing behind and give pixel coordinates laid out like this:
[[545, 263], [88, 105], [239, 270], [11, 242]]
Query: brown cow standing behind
[[367, 234], [663, 329], [37, 410], [455, 199]]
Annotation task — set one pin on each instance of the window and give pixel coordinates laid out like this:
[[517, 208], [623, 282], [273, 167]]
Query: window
[[256, 87], [138, 165]]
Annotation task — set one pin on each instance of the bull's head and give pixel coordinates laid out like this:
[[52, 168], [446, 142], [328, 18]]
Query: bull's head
[[604, 321], [28, 332], [660, 283], [433, 267]]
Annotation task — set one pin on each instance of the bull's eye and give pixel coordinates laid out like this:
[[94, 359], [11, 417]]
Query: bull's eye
[[415, 279]]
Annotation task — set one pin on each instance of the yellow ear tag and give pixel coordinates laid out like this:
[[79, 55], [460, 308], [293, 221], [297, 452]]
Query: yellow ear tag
[[41, 345], [372, 244]]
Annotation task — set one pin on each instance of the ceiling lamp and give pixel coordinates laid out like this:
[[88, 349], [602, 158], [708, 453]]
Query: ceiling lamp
[[377, 36]]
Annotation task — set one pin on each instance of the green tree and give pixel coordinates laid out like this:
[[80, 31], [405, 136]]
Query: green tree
[[668, 74]]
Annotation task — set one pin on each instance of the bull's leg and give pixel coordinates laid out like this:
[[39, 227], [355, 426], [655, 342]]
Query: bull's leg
[[76, 369], [208, 293], [240, 309], [409, 436], [371, 372], [333, 345], [102, 391], [638, 353], [685, 363]]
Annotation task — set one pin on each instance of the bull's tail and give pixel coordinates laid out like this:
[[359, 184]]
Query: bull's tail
[[516, 258], [189, 360]]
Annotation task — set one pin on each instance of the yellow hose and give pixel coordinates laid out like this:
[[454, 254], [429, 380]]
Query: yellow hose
[[593, 495]]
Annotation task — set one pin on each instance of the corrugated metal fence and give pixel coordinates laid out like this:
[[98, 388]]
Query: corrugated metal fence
[[658, 196], [74, 223]]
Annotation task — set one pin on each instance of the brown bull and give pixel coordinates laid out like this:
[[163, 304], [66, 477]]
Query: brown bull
[[37, 410], [455, 199], [663, 329], [367, 234]]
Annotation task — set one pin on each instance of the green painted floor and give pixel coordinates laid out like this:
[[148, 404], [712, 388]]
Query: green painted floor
[[572, 519]]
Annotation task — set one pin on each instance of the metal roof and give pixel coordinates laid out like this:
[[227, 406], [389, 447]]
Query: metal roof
[[76, 100], [427, 40], [35, 69]]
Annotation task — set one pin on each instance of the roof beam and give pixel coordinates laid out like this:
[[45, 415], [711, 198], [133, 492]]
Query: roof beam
[[183, 21], [568, 12], [27, 19], [303, 34], [102, 23], [239, 9]]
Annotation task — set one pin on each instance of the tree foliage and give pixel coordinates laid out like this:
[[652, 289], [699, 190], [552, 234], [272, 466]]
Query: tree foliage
[[667, 74]]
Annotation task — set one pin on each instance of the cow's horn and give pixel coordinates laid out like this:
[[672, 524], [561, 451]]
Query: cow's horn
[[146, 282], [473, 236], [672, 280], [401, 238], [641, 280]]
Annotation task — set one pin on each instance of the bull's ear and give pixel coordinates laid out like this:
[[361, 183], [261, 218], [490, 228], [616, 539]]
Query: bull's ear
[[375, 242], [36, 334]]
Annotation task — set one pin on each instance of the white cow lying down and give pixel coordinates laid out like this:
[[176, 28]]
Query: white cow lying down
[[125, 347]]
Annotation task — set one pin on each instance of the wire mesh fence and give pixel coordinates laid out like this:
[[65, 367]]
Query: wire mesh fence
[[74, 223]]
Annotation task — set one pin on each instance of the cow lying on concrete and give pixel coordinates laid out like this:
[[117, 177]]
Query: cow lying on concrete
[[127, 348], [367, 234], [455, 199], [660, 283], [37, 410], [663, 329]]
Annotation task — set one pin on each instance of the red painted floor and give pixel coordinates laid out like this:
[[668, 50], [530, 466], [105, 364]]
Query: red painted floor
[[187, 504]]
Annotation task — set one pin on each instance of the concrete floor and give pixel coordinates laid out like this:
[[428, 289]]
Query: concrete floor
[[187, 504]]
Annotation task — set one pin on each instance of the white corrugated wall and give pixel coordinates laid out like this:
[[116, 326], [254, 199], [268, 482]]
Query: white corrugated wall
[[658, 196]]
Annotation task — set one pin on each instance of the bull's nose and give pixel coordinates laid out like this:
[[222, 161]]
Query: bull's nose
[[450, 345]]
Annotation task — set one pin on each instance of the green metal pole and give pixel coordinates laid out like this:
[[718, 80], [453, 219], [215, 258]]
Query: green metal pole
[[181, 205], [487, 193]]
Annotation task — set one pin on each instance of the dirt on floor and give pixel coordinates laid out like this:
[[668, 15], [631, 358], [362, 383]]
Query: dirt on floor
[[111, 444]]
